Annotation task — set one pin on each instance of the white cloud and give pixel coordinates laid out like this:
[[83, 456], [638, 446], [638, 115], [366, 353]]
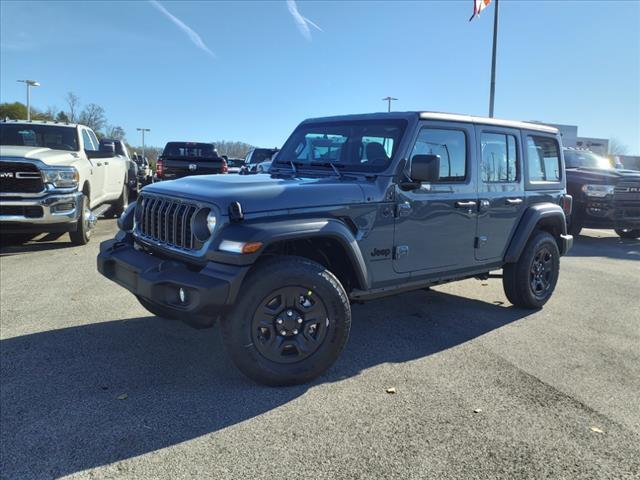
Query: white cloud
[[302, 23], [193, 36]]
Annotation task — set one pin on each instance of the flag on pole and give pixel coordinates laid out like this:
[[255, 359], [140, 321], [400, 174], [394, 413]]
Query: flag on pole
[[478, 6]]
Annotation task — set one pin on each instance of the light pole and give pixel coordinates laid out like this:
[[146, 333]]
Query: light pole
[[389, 100], [492, 91], [29, 84], [143, 130]]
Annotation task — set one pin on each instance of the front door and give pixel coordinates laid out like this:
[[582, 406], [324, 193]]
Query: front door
[[436, 223], [500, 190]]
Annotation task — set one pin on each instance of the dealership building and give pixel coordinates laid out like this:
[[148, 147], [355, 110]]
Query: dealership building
[[570, 138]]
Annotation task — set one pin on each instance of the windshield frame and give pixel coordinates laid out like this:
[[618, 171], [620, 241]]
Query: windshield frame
[[39, 126], [283, 161]]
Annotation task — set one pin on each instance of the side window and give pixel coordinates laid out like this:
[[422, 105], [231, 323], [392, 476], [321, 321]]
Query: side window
[[88, 143], [95, 140], [543, 155], [450, 146], [499, 158]]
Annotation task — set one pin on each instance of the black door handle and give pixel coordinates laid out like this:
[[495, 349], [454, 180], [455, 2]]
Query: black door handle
[[513, 201], [469, 204]]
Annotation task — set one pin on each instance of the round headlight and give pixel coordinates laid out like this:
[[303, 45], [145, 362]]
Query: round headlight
[[212, 220]]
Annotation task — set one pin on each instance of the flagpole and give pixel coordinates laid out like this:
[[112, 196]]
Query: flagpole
[[493, 60]]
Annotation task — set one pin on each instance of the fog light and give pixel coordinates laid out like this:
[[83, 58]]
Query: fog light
[[183, 295]]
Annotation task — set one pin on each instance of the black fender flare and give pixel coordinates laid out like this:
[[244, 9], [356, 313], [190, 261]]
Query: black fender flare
[[271, 232], [548, 213]]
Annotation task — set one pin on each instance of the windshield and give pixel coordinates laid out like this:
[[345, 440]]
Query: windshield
[[48, 136], [261, 155], [188, 149], [366, 145], [584, 158]]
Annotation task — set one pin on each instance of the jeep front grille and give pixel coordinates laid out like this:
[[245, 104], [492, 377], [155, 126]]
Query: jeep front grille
[[167, 221], [20, 177]]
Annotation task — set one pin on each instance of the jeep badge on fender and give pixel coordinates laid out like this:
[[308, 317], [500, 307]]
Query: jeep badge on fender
[[353, 208]]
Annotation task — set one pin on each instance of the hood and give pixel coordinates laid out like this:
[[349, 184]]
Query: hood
[[46, 155], [261, 193], [608, 176]]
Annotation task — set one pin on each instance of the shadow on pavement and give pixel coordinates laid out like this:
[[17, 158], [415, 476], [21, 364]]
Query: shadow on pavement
[[611, 247], [60, 411]]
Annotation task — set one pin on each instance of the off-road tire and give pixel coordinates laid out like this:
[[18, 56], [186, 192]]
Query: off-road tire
[[517, 277], [121, 204], [82, 234], [267, 278], [630, 234], [157, 310]]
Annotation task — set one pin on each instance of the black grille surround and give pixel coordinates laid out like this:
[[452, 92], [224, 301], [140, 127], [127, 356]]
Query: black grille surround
[[168, 222], [20, 177]]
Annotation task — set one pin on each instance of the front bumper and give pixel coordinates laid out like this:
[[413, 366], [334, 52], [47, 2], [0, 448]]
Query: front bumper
[[59, 212], [605, 213], [210, 290]]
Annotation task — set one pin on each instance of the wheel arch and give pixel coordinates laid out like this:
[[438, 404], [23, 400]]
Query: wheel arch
[[328, 242], [547, 217]]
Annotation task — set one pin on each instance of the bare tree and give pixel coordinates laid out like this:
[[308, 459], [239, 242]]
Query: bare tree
[[73, 101], [93, 116], [116, 132], [616, 147]]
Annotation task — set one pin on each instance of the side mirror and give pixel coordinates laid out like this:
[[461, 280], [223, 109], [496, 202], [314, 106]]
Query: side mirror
[[108, 147], [425, 168]]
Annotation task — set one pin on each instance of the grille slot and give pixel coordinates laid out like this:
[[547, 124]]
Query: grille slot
[[20, 177], [627, 192], [167, 221], [22, 211]]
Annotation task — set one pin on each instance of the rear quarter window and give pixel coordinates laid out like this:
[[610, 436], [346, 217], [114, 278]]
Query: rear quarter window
[[543, 159]]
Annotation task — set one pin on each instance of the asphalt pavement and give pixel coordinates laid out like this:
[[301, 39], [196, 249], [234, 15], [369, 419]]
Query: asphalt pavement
[[93, 386]]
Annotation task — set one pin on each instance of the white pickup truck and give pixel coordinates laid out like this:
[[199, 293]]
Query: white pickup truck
[[56, 177]]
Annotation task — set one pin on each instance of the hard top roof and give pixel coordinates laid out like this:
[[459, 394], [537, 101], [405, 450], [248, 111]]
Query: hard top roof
[[452, 117]]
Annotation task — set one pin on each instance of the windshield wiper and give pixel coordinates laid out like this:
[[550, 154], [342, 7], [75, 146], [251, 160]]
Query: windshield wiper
[[328, 164]]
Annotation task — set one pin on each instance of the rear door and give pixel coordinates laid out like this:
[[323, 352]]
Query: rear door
[[436, 223], [181, 159], [500, 189]]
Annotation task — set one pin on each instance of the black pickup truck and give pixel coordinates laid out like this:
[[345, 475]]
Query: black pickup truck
[[603, 197], [181, 159]]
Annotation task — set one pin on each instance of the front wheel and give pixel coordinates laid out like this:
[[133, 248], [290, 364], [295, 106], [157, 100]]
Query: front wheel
[[530, 281], [82, 234], [291, 324], [628, 233]]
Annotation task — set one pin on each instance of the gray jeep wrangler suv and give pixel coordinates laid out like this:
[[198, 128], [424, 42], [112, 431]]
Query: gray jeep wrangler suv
[[354, 207]]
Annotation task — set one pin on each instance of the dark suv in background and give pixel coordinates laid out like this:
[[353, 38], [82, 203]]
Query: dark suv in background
[[354, 208], [182, 159], [603, 197]]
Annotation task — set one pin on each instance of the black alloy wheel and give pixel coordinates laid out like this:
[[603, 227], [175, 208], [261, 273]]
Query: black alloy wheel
[[290, 324]]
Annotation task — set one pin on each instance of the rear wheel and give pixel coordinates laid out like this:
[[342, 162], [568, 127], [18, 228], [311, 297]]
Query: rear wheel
[[291, 324], [82, 234], [629, 233], [530, 281], [121, 204]]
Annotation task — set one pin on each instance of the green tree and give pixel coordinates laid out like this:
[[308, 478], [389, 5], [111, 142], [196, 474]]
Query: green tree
[[13, 111]]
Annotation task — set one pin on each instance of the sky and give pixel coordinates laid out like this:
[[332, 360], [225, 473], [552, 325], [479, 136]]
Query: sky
[[251, 71]]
